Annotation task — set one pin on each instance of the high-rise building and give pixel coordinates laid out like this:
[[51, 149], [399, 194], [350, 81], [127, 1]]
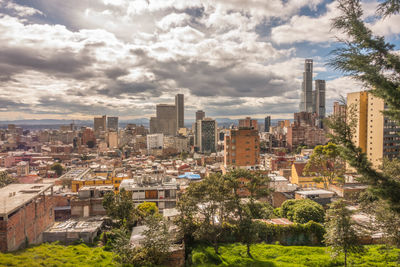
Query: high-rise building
[[200, 115], [112, 123], [206, 135], [320, 100], [248, 123], [100, 123], [242, 147], [375, 134], [153, 125], [180, 111], [166, 119], [267, 123], [155, 141], [358, 104], [112, 137], [306, 103]]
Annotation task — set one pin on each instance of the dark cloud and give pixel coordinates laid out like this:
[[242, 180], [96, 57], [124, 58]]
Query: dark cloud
[[63, 63]]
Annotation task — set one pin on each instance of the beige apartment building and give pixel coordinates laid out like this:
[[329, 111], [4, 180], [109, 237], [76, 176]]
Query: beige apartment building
[[375, 134]]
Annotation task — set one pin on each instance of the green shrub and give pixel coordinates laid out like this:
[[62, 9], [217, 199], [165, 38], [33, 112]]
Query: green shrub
[[302, 211], [199, 258]]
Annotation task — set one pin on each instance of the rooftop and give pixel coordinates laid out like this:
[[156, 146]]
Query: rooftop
[[14, 196]]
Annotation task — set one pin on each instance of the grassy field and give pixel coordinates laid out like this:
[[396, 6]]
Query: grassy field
[[276, 255], [58, 255]]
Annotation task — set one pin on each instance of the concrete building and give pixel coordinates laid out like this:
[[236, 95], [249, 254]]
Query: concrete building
[[242, 148], [180, 111], [375, 134], [306, 102], [160, 190], [100, 123], [155, 141], [248, 123], [153, 125], [26, 211], [200, 115], [166, 119], [73, 230], [267, 123], [112, 123], [206, 135], [112, 139], [89, 201]]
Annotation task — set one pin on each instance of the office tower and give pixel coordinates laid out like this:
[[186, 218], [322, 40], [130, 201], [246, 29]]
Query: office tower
[[200, 115], [375, 134], [267, 123], [100, 123], [112, 123], [320, 100], [248, 123], [242, 147], [166, 119], [206, 135], [153, 125], [180, 111], [306, 102]]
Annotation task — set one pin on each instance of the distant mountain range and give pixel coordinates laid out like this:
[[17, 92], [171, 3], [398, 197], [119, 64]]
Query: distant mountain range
[[52, 123]]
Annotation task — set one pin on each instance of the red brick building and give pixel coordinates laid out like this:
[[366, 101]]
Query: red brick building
[[26, 210], [242, 147]]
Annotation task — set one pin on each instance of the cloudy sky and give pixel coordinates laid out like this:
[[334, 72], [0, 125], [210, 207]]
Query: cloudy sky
[[232, 58]]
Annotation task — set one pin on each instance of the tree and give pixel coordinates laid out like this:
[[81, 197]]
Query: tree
[[58, 168], [326, 165], [373, 61], [146, 209], [341, 234], [257, 186], [120, 207], [6, 179], [302, 211], [157, 239]]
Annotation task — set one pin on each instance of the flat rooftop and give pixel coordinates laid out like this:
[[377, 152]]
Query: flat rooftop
[[13, 196], [315, 192]]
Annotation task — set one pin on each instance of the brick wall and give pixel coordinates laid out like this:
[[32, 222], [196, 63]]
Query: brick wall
[[27, 224]]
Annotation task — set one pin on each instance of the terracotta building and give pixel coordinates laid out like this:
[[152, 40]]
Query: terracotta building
[[242, 147]]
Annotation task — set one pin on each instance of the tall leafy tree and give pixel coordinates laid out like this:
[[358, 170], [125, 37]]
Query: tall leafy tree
[[341, 234], [120, 207], [326, 165], [373, 61]]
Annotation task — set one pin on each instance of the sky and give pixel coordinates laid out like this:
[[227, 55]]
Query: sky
[[77, 59]]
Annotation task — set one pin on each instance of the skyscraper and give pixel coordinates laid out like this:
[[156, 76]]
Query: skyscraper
[[206, 135], [112, 123], [306, 103], [267, 123], [320, 100], [200, 115], [180, 112], [166, 119], [100, 123]]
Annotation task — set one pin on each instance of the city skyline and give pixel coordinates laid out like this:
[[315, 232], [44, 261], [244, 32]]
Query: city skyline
[[62, 61]]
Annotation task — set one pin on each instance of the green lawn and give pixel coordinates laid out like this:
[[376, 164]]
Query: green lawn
[[276, 255], [58, 255]]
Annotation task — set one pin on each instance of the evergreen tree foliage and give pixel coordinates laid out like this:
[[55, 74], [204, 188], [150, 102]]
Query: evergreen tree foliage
[[341, 234], [373, 61]]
